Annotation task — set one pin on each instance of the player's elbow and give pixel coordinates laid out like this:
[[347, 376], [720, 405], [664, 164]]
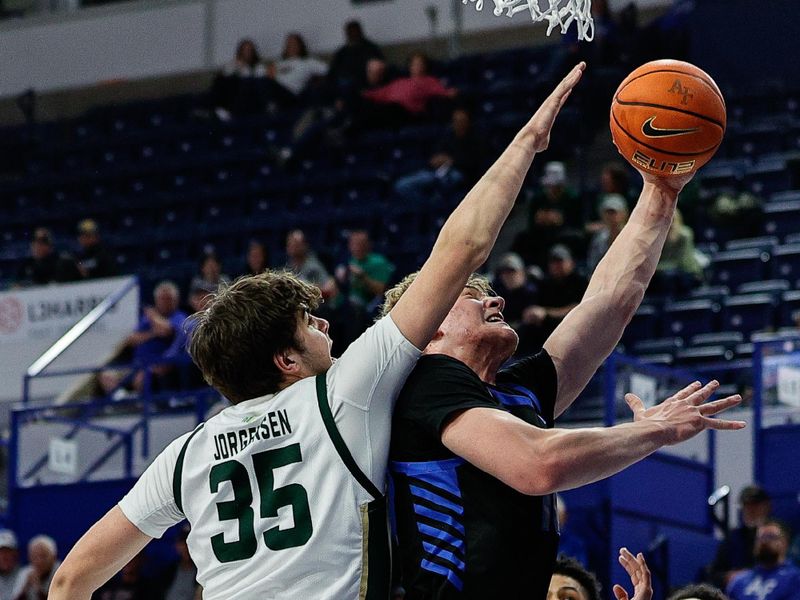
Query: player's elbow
[[66, 583], [537, 481]]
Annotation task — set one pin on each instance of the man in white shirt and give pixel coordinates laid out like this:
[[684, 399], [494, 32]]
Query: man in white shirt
[[284, 490]]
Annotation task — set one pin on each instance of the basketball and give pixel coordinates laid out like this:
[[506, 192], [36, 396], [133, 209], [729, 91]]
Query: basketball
[[668, 118]]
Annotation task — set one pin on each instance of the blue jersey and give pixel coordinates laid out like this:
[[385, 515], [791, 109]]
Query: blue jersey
[[759, 583], [462, 533]]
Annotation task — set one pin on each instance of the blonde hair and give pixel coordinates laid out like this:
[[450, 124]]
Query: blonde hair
[[391, 297]]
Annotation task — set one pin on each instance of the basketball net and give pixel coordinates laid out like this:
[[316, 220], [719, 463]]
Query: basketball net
[[579, 11]]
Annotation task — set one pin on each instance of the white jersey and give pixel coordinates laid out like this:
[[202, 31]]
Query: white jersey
[[278, 505]]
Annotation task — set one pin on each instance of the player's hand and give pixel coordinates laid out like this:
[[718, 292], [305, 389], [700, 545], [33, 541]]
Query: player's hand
[[639, 574], [673, 184], [541, 123], [687, 413]]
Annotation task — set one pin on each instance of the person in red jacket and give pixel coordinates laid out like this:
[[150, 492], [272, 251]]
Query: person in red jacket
[[414, 92]]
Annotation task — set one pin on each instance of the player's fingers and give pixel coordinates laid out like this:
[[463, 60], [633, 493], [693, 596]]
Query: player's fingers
[[717, 406], [704, 393], [725, 424], [634, 403], [628, 562], [619, 592], [686, 392], [644, 570], [570, 81]]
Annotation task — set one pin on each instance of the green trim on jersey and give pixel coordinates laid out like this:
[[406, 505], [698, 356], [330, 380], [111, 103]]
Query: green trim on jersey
[[178, 473], [379, 551], [338, 442]]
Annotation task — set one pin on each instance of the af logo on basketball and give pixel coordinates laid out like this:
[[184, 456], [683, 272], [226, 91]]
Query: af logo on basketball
[[677, 88]]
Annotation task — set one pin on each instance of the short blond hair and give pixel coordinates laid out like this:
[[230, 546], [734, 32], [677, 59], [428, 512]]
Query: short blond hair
[[475, 281]]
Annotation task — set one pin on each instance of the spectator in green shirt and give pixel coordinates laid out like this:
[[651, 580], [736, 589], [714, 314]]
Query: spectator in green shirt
[[367, 273]]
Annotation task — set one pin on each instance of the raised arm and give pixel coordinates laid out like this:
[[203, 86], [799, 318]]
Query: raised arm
[[469, 234], [589, 333], [102, 551], [538, 461]]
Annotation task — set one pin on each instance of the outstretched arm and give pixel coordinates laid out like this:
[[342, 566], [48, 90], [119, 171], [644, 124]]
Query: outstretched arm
[[589, 333], [538, 461], [469, 234], [102, 551]]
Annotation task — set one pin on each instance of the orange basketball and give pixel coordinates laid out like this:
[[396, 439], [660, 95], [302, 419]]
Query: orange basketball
[[668, 117]]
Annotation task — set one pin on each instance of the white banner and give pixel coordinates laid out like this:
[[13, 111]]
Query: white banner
[[32, 319]]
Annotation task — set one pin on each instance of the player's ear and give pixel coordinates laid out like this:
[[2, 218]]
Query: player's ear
[[287, 361]]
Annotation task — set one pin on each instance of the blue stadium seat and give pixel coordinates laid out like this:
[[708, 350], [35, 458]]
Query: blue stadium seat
[[689, 317], [729, 339], [789, 306], [785, 196], [643, 326], [668, 345], [782, 218], [768, 177], [738, 266], [765, 243], [663, 359], [713, 292], [748, 313], [774, 287], [703, 355], [785, 262]]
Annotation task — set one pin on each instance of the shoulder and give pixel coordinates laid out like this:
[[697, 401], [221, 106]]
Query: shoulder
[[441, 372]]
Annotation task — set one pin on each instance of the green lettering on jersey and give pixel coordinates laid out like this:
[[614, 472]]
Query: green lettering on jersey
[[239, 508]]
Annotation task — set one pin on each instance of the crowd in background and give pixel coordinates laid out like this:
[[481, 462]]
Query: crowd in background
[[542, 278]]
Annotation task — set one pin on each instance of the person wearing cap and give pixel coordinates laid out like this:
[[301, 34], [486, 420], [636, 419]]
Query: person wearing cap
[[559, 292], [10, 580], [45, 264], [772, 577], [94, 260], [679, 253], [736, 552], [511, 282], [556, 216], [614, 215]]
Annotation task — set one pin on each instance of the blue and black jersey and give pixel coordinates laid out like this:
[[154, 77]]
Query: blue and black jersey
[[462, 533]]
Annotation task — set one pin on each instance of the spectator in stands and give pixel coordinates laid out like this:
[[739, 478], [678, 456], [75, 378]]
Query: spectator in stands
[[179, 579], [772, 578], [257, 258], [296, 70], [304, 263], [614, 179], [11, 581], [559, 293], [152, 340], [128, 584], [210, 275], [348, 67], [679, 254], [512, 283], [239, 88], [45, 264], [189, 376], [570, 543], [456, 162], [412, 93], [572, 581], [555, 216], [367, 273], [94, 261], [43, 562], [735, 553], [614, 214], [698, 591]]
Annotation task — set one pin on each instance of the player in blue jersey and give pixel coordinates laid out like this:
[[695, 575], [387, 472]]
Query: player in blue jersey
[[475, 459]]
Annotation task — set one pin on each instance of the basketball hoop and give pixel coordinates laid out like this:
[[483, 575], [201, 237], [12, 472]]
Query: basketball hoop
[[562, 16]]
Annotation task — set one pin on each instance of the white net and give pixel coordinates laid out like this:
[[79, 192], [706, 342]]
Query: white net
[[559, 13]]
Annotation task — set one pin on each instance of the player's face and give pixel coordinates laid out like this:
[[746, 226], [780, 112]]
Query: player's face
[[476, 320], [313, 336], [565, 588]]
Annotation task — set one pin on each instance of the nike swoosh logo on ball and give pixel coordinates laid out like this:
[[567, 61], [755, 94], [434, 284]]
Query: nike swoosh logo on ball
[[656, 132]]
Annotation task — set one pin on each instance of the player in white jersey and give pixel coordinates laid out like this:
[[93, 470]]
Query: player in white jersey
[[284, 490]]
